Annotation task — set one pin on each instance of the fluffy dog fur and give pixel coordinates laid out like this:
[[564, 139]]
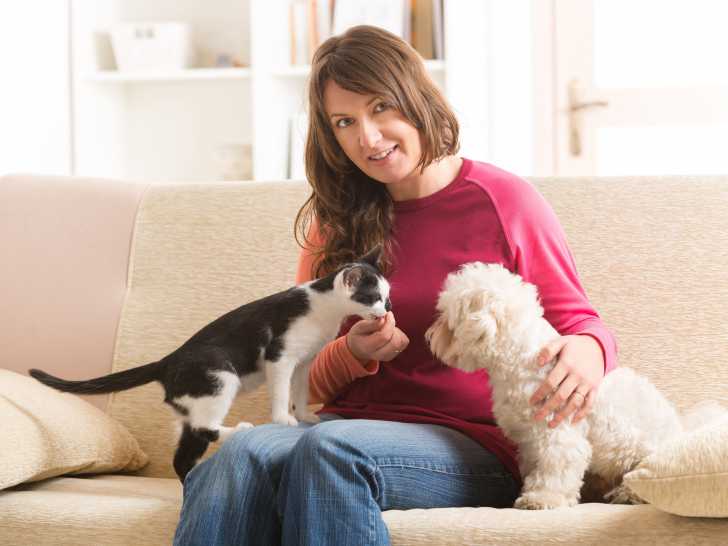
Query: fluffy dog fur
[[490, 318]]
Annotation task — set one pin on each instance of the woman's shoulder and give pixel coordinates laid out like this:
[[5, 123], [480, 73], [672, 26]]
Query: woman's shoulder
[[507, 190]]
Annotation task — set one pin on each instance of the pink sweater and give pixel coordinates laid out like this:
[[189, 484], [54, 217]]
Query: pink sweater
[[485, 214]]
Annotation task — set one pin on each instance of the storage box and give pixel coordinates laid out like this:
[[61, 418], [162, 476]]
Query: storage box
[[152, 45]]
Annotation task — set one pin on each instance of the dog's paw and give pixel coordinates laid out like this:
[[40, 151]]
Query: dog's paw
[[623, 495], [543, 500]]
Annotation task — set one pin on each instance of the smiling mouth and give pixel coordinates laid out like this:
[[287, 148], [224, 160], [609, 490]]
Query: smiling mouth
[[383, 154]]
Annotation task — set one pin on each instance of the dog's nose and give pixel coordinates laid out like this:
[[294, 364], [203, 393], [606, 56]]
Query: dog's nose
[[387, 305]]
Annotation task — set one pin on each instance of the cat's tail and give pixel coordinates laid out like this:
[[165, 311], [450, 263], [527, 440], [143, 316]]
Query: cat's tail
[[114, 382]]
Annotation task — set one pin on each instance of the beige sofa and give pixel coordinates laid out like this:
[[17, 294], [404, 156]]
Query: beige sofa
[[100, 275]]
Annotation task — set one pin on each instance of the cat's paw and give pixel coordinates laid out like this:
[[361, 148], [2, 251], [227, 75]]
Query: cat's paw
[[243, 425], [307, 417], [285, 419], [226, 432]]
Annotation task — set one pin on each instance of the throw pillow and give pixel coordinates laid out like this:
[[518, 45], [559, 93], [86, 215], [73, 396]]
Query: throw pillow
[[45, 433], [690, 476]]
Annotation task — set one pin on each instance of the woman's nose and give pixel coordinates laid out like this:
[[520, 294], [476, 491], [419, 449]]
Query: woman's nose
[[369, 134]]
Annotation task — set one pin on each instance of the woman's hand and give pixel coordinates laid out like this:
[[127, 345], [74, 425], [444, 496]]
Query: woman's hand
[[572, 384], [376, 339]]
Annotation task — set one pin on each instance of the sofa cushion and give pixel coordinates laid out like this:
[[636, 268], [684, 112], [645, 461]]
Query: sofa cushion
[[46, 433], [585, 524], [105, 509], [121, 510], [690, 476]]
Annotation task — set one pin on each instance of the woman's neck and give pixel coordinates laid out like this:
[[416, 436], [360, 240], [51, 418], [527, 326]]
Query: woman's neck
[[436, 176]]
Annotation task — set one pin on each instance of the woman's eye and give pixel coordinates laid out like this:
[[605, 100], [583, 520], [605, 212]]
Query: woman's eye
[[343, 122], [381, 107]]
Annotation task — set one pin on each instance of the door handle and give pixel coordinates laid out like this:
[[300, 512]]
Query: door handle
[[576, 107]]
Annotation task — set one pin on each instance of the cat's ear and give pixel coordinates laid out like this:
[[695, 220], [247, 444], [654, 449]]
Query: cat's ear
[[352, 276], [372, 257]]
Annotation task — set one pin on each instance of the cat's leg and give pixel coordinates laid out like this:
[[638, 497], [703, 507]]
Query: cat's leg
[[192, 445], [203, 417], [278, 375], [299, 394]]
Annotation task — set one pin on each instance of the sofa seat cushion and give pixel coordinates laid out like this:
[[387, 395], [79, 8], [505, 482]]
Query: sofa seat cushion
[[122, 510], [103, 509], [585, 524]]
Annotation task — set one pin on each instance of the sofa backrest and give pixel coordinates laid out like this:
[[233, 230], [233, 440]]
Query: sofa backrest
[[652, 254], [198, 252]]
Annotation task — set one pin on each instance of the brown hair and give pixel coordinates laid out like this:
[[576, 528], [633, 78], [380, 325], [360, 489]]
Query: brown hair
[[354, 212]]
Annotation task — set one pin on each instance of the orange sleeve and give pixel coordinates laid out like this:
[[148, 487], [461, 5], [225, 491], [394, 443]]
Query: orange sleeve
[[334, 367]]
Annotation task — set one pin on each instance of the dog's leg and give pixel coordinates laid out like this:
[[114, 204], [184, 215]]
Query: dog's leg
[[278, 376], [553, 466], [299, 394]]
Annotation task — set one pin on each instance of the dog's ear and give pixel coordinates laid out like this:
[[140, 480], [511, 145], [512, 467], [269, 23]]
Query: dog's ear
[[439, 337]]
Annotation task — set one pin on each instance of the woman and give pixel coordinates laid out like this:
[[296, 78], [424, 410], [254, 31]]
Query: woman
[[399, 429]]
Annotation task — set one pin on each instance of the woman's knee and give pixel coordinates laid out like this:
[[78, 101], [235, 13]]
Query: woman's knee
[[263, 446], [330, 439]]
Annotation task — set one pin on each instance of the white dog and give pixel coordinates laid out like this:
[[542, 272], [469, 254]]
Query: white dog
[[490, 318]]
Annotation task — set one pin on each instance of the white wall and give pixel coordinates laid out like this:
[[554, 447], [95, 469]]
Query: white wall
[[37, 114], [35, 132]]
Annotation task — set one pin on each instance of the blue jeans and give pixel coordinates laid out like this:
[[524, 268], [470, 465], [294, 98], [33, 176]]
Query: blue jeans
[[328, 483]]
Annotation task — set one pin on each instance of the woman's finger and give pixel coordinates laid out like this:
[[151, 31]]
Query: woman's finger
[[586, 407], [551, 350], [368, 326], [550, 384], [396, 345], [558, 398], [574, 403]]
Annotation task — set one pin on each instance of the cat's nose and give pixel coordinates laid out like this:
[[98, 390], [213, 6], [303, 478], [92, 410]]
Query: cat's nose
[[387, 305]]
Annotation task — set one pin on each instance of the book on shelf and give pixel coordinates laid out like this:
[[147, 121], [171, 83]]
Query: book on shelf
[[312, 22], [310, 26], [427, 28]]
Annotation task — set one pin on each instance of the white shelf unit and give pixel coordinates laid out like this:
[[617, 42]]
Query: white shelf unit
[[113, 76], [170, 125]]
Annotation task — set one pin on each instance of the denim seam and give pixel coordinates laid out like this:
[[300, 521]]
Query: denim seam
[[497, 474], [370, 469]]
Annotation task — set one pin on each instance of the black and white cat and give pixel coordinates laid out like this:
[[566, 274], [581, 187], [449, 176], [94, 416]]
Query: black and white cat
[[272, 339]]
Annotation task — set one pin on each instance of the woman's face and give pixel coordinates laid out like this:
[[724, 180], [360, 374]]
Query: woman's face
[[374, 135]]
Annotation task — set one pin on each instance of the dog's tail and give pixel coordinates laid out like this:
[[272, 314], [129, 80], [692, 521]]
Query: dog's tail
[[703, 413], [114, 382]]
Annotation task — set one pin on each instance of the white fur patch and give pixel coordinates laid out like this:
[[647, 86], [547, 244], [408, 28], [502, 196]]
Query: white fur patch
[[209, 411]]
